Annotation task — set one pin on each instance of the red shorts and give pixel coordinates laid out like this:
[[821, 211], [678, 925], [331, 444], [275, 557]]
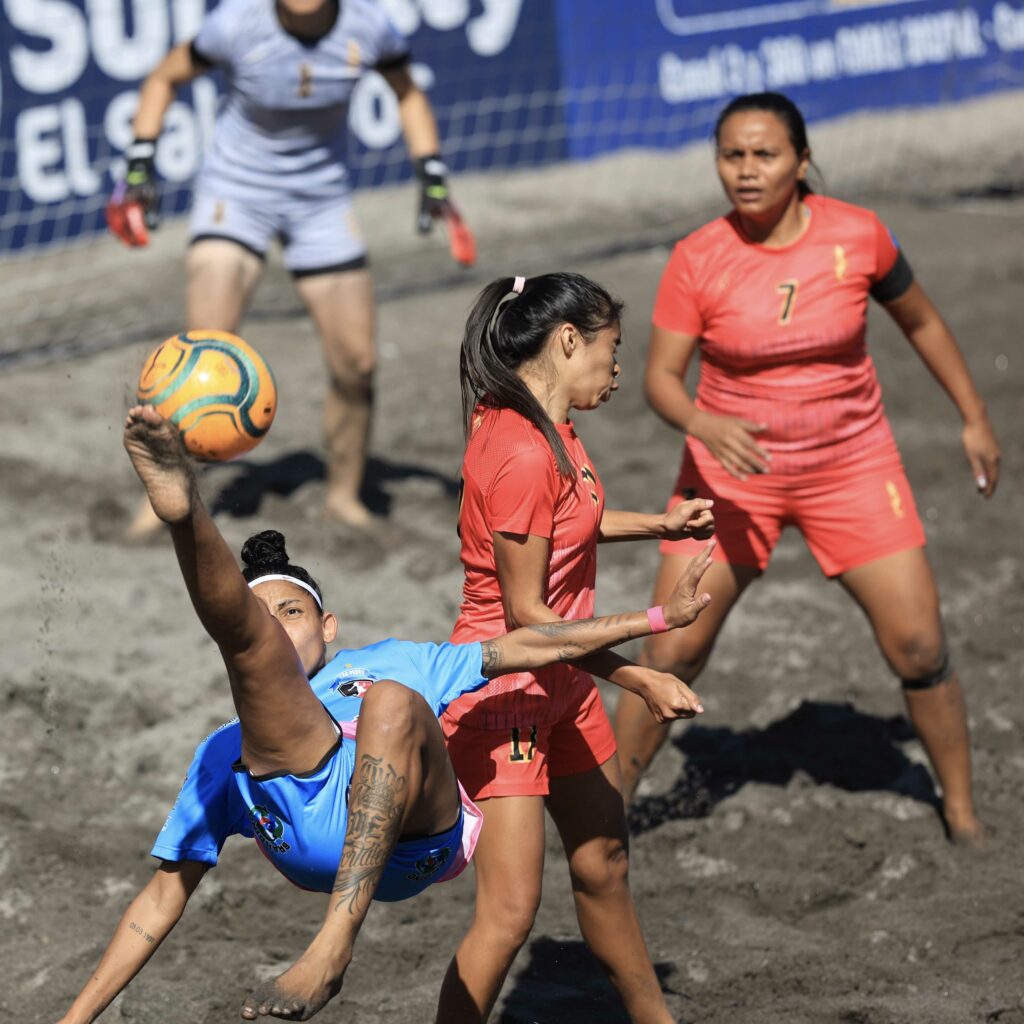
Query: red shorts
[[849, 514], [521, 760]]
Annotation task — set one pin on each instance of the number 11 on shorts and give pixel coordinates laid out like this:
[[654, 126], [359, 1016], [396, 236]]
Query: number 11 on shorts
[[516, 752]]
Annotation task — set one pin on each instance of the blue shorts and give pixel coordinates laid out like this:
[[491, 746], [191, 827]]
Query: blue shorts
[[318, 236], [417, 863], [299, 824]]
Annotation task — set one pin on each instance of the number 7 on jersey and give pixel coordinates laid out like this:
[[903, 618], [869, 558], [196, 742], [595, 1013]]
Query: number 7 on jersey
[[788, 290]]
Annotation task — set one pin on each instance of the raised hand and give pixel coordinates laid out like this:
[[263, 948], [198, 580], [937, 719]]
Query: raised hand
[[689, 519], [685, 603]]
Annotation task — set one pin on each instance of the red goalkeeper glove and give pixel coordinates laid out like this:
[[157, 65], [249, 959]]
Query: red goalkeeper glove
[[133, 210]]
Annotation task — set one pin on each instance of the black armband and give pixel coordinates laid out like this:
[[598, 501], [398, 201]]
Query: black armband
[[895, 283]]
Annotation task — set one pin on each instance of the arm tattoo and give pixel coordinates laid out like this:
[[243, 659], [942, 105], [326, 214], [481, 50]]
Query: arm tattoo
[[579, 637], [141, 931], [375, 808], [492, 658]]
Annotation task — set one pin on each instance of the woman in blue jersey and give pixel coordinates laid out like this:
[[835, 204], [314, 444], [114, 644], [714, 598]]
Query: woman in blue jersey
[[276, 170], [367, 812]]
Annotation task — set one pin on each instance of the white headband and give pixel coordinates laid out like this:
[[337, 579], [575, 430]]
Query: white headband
[[288, 579]]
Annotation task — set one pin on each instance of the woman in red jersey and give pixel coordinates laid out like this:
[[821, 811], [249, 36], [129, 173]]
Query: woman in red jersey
[[532, 515], [788, 428]]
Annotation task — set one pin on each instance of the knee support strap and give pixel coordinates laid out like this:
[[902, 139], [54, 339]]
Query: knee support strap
[[936, 678]]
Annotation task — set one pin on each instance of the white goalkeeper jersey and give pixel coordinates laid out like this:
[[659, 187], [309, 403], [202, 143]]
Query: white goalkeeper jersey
[[282, 124]]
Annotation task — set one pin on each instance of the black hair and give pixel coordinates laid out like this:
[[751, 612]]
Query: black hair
[[506, 329], [784, 109], [264, 554]]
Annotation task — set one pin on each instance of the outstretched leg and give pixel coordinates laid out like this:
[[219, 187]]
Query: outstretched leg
[[587, 808], [284, 726], [403, 787], [509, 863], [899, 596]]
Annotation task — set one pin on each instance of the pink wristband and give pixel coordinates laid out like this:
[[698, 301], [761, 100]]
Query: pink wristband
[[656, 619]]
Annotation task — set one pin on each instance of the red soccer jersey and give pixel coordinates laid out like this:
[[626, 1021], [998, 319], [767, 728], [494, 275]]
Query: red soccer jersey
[[782, 332], [511, 485]]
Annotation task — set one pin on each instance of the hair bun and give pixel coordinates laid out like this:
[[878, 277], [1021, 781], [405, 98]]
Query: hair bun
[[265, 550]]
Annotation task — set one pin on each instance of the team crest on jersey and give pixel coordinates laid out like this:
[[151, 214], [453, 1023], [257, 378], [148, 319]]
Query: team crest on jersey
[[305, 80], [269, 829], [354, 54], [587, 474], [430, 865], [354, 681], [840, 265]]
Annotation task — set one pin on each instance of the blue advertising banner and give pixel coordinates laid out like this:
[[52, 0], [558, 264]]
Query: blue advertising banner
[[659, 72], [515, 83]]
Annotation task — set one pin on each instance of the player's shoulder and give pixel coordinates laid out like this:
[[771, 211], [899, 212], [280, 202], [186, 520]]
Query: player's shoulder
[[838, 212], [705, 244], [220, 748], [367, 16], [367, 10], [506, 445], [506, 430], [243, 14], [235, 29]]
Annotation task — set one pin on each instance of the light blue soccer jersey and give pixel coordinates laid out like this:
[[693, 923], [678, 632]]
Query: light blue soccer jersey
[[299, 820], [281, 127]]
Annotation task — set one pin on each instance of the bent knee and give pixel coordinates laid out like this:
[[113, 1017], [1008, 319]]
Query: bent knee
[[394, 708], [509, 921], [353, 379], [918, 655], [677, 655], [601, 869]]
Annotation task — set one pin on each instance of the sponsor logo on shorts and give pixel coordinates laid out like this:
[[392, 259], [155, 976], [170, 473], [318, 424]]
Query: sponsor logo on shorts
[[895, 499], [430, 865], [269, 829]]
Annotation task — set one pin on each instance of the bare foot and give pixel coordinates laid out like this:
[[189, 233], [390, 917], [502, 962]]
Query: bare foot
[[966, 830], [343, 508], [156, 451], [298, 994]]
